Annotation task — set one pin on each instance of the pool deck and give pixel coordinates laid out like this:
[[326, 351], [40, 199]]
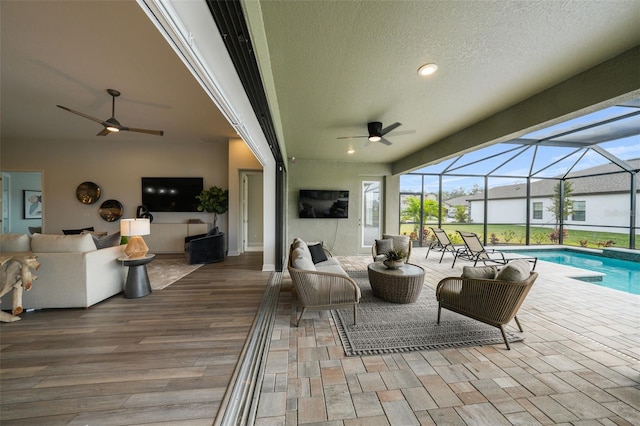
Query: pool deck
[[579, 363]]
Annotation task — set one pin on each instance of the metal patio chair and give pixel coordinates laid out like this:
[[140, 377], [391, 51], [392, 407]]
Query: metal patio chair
[[475, 251], [442, 244]]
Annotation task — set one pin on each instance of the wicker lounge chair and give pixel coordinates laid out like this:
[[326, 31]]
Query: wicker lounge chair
[[489, 301], [475, 251], [442, 243]]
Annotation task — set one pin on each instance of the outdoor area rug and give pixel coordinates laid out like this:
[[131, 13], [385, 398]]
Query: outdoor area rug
[[385, 327]]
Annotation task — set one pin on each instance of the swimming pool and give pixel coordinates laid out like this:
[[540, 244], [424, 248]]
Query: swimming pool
[[620, 274]]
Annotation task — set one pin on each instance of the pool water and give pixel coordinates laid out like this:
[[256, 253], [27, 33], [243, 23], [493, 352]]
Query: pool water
[[620, 274]]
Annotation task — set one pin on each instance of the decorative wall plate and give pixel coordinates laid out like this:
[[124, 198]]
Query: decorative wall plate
[[111, 210], [88, 192]]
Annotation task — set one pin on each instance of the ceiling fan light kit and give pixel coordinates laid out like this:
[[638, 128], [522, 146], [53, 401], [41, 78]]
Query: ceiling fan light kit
[[376, 132], [112, 125]]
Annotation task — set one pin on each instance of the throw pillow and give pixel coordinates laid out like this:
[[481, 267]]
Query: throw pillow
[[300, 260], [317, 253], [516, 270], [399, 241], [76, 231], [479, 273], [383, 246], [107, 240]]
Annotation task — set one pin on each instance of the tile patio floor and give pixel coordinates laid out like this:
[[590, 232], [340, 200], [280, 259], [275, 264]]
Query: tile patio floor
[[579, 364]]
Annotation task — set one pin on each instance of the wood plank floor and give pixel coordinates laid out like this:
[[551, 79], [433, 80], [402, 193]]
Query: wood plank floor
[[163, 359]]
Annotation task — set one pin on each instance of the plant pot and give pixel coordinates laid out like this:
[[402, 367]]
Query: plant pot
[[393, 264]]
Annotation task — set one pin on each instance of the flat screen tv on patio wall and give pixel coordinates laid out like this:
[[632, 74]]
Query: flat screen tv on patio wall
[[323, 204], [171, 194]]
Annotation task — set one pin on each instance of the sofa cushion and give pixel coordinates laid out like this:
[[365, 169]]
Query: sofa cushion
[[334, 269], [300, 259], [329, 261], [479, 273], [76, 231], [317, 253], [48, 243], [15, 242], [516, 270]]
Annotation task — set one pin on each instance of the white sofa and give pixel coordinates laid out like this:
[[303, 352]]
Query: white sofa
[[73, 273], [319, 280]]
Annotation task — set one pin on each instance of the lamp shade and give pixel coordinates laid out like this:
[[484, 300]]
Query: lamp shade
[[134, 227]]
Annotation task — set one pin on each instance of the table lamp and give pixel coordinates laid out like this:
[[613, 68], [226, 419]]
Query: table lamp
[[134, 229]]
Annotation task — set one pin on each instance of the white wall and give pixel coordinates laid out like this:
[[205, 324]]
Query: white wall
[[341, 236], [117, 168]]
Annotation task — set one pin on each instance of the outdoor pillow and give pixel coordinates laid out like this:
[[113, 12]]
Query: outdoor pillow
[[400, 242], [301, 261], [383, 246], [479, 273], [317, 253], [517, 270]]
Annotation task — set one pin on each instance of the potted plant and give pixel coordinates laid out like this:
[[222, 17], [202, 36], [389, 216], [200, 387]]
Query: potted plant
[[394, 258], [214, 200]]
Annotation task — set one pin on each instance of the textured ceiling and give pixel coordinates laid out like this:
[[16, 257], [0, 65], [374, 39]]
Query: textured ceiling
[[329, 68], [333, 66]]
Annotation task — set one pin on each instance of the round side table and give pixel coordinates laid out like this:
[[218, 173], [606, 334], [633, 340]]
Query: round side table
[[137, 284], [401, 285]]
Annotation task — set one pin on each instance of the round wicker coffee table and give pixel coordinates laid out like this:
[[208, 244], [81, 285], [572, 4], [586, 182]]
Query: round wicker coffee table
[[396, 285]]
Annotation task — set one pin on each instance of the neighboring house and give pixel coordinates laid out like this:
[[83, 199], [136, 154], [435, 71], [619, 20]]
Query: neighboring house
[[601, 200]]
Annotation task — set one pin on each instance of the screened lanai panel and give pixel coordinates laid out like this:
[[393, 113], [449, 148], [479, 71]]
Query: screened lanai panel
[[520, 165], [554, 162], [587, 120], [484, 161], [625, 149], [411, 183], [437, 168]]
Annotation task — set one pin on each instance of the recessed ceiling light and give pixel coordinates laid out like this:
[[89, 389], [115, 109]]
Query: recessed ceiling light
[[351, 151], [427, 69]]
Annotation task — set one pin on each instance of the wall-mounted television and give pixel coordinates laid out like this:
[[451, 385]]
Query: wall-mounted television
[[171, 194], [323, 204]]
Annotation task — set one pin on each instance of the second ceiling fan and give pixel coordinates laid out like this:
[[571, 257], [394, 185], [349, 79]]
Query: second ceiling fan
[[377, 133]]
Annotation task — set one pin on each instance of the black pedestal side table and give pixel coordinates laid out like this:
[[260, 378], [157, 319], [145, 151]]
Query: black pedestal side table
[[137, 284]]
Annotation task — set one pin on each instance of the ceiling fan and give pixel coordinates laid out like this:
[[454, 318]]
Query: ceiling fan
[[111, 124], [377, 133]]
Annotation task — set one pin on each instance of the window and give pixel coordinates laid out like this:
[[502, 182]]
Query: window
[[579, 211], [537, 210]]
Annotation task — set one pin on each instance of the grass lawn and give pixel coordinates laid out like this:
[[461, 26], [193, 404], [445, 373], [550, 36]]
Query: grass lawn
[[515, 234]]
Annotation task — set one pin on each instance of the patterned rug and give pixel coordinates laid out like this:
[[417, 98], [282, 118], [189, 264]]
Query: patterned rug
[[164, 272], [385, 328]]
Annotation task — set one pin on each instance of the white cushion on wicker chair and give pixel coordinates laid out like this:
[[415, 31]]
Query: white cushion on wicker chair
[[516, 270], [480, 272]]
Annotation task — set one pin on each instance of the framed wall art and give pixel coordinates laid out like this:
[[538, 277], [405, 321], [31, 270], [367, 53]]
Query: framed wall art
[[32, 204]]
